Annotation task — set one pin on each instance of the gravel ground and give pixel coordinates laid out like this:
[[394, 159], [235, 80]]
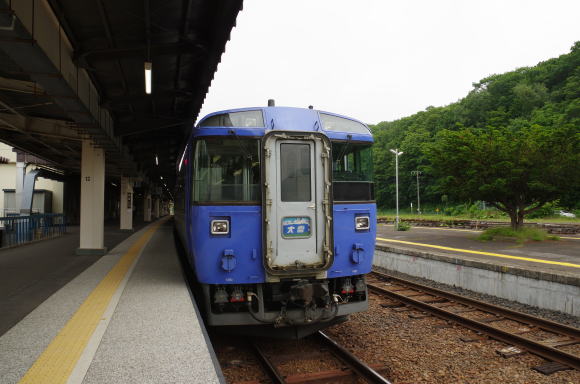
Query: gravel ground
[[429, 350], [556, 316], [237, 359]]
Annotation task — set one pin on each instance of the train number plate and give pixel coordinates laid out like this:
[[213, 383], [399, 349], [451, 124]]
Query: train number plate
[[296, 227]]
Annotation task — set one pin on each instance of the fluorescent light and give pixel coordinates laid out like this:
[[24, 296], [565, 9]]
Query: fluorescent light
[[148, 69], [182, 157], [161, 177], [156, 160]]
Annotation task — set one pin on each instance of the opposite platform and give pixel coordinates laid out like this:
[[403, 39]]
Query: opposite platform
[[129, 318], [544, 275]]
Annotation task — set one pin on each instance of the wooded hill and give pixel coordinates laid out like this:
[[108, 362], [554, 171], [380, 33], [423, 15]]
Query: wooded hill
[[513, 141]]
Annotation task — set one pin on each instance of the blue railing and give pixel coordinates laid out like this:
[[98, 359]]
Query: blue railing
[[15, 230]]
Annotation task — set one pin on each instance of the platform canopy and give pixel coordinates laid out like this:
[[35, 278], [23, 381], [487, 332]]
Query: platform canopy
[[73, 69]]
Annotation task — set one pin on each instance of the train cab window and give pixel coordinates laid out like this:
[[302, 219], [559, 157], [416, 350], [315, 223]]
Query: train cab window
[[226, 170], [295, 172], [247, 119], [352, 171]]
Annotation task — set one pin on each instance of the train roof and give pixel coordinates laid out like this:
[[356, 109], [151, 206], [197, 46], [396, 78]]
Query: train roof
[[287, 118]]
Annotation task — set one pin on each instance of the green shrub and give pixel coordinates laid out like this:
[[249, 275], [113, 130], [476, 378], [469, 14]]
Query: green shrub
[[520, 236], [402, 226], [547, 210]]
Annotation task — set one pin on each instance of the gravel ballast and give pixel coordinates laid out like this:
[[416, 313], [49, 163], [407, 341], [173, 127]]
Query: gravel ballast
[[429, 350], [556, 316]]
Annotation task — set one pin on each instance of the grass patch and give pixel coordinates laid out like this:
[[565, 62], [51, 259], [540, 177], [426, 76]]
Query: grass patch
[[403, 226], [520, 236], [406, 216]]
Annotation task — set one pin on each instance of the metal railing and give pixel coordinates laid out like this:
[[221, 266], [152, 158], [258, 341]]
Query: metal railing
[[16, 230], [9, 212]]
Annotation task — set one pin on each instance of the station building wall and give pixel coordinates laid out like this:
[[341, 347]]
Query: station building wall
[[8, 180]]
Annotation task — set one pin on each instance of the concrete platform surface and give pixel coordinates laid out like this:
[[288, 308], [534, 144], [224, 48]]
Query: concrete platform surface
[[128, 318], [31, 273], [561, 257]]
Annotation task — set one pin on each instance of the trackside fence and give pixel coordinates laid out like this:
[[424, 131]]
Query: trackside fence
[[16, 230]]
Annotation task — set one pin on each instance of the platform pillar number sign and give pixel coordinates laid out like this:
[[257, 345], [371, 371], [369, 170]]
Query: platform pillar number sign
[[126, 203]]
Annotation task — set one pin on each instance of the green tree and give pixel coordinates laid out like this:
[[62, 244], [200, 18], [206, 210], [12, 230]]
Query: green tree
[[517, 169], [544, 100]]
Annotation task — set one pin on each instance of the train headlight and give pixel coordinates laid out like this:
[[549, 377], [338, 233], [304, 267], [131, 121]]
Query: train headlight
[[362, 223], [220, 227]]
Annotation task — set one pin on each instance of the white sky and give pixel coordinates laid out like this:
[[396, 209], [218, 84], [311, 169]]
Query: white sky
[[382, 60]]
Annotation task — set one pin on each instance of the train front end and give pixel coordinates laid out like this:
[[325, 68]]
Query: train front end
[[279, 217]]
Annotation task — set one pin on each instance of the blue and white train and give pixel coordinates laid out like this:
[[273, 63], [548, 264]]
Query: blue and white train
[[275, 208]]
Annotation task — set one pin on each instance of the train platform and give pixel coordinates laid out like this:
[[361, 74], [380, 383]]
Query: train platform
[[543, 274], [31, 273], [128, 318]]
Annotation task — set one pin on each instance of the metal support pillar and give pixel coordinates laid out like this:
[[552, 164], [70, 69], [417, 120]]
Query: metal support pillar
[[156, 211], [126, 204], [28, 192], [147, 207], [20, 172], [92, 200]]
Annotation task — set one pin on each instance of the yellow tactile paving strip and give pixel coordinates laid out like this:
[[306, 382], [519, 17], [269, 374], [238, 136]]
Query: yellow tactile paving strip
[[58, 360], [504, 256]]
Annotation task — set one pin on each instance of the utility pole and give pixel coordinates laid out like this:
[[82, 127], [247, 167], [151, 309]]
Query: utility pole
[[418, 199], [397, 154]]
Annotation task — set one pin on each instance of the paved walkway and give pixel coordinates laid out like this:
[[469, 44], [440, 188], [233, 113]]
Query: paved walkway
[[128, 318], [31, 273]]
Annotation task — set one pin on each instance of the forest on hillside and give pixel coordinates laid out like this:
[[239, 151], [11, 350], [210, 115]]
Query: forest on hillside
[[513, 142]]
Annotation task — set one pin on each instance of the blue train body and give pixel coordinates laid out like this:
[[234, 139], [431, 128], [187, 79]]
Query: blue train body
[[275, 208]]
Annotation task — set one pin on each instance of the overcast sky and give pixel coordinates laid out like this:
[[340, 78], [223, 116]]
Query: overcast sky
[[380, 60]]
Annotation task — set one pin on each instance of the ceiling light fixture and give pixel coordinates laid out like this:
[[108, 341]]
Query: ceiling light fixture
[[148, 69]]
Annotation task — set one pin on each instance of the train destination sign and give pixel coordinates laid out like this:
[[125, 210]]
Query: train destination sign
[[296, 227]]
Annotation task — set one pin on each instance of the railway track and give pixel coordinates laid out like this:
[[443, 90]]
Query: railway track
[[541, 337], [351, 368]]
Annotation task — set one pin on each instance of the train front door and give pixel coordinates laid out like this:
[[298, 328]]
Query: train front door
[[297, 202]]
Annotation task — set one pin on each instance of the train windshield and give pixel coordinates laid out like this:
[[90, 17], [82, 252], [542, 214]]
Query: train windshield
[[352, 171], [351, 162], [226, 169]]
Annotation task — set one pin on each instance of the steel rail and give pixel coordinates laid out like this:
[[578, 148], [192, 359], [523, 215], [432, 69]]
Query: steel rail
[[356, 365], [271, 370], [520, 317], [542, 350]]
